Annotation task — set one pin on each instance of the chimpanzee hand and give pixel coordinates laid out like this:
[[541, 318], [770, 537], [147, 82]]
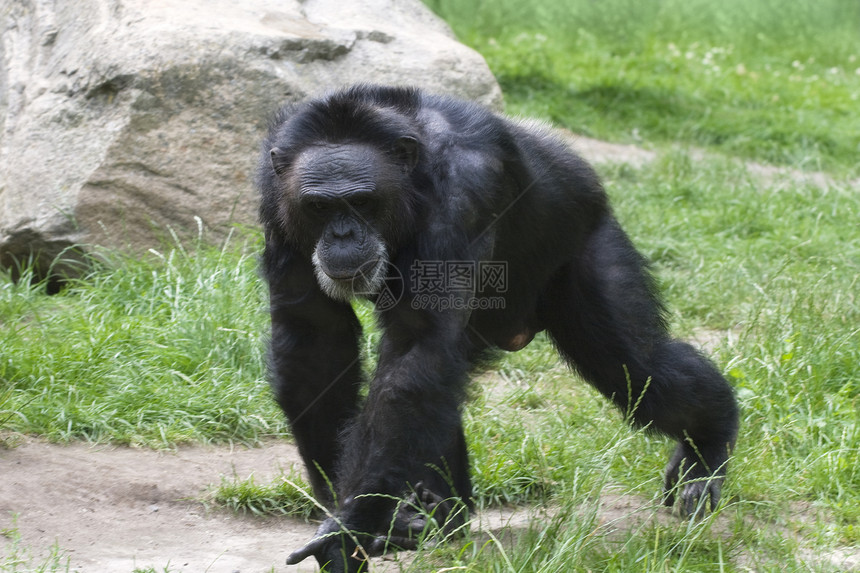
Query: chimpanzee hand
[[411, 520], [334, 548]]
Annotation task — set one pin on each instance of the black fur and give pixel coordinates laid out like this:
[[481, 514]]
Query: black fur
[[451, 181]]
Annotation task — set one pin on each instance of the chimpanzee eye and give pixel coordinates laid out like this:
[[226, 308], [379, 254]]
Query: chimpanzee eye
[[360, 200]]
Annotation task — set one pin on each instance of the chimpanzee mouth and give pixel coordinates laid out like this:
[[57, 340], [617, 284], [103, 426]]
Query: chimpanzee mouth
[[367, 281]]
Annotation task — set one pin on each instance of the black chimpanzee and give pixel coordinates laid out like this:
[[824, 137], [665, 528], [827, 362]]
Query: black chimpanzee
[[470, 232]]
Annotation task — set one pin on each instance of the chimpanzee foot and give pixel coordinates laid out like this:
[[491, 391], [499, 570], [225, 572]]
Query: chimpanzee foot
[[699, 474]]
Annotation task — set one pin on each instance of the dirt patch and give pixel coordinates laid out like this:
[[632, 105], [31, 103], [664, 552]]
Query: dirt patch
[[114, 509]]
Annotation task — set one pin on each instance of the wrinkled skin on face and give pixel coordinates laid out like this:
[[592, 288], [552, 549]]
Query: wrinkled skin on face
[[345, 193]]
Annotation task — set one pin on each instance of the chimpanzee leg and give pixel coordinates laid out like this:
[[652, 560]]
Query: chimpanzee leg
[[602, 313], [408, 432], [410, 418], [318, 393], [315, 366]]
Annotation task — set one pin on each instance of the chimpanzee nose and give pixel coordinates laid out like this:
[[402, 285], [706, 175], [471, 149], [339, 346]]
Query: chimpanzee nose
[[343, 232]]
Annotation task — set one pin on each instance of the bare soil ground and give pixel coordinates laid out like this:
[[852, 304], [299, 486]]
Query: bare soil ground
[[116, 509]]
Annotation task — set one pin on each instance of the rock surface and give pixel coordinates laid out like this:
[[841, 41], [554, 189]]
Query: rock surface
[[120, 121]]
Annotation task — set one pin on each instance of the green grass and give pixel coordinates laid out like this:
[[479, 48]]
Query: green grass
[[16, 558], [154, 350], [288, 494], [765, 79]]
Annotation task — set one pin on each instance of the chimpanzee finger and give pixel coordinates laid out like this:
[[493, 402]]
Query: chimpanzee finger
[[383, 545], [313, 547], [326, 535]]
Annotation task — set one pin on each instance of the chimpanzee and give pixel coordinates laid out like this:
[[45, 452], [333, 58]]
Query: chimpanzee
[[469, 232]]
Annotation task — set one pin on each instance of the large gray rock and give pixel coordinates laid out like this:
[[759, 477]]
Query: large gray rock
[[121, 120]]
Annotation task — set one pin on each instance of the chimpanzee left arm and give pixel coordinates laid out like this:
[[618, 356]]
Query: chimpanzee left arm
[[411, 418]]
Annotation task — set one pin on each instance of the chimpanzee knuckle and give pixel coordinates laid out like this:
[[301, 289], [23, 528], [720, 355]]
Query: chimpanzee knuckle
[[418, 524], [425, 495], [701, 496], [402, 543]]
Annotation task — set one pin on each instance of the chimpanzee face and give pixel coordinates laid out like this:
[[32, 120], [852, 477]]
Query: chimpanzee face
[[342, 193]]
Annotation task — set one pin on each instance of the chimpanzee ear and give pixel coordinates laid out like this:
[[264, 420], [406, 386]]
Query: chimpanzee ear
[[406, 151], [279, 160]]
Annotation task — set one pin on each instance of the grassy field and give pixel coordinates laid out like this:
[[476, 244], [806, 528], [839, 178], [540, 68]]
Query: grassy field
[[765, 79], [150, 351], [167, 348]]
